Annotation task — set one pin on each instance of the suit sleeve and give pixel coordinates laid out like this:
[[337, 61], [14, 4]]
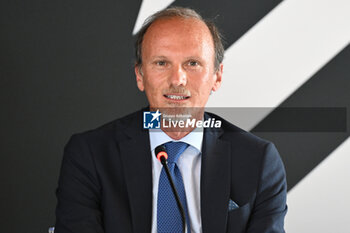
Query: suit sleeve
[[78, 192], [270, 205]]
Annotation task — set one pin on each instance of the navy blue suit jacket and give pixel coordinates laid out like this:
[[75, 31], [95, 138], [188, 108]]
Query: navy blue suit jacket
[[105, 184]]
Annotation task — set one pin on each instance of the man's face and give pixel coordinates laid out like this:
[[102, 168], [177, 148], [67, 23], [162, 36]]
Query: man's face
[[178, 64]]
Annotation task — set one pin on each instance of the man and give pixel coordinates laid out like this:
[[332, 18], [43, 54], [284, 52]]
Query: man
[[229, 180]]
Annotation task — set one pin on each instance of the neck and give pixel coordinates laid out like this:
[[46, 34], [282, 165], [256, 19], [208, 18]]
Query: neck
[[177, 134], [173, 119]]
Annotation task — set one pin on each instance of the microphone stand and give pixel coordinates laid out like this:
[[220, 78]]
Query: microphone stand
[[179, 204]]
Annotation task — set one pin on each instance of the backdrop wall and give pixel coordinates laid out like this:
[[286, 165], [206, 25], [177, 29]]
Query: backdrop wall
[[67, 66]]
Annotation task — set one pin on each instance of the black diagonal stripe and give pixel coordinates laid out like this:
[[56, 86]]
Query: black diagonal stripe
[[234, 18], [303, 151]]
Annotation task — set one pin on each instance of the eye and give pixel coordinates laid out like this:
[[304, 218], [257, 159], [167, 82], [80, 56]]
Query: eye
[[160, 63], [193, 63]]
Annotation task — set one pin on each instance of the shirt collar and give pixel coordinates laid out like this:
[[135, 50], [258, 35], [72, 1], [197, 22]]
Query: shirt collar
[[158, 137]]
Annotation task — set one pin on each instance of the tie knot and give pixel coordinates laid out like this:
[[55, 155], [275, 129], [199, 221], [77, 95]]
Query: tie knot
[[174, 150]]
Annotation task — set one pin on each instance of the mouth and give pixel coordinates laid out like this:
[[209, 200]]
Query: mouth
[[176, 97]]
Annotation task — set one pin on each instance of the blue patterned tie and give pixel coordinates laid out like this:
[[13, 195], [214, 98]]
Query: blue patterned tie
[[168, 214]]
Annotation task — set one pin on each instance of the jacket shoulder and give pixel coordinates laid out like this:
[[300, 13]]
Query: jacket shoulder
[[111, 130], [233, 133]]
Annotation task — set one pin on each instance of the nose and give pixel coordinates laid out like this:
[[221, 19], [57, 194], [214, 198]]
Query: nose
[[178, 76]]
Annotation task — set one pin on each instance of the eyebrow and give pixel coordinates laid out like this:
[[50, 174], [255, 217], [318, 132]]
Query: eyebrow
[[194, 58], [159, 57], [187, 58]]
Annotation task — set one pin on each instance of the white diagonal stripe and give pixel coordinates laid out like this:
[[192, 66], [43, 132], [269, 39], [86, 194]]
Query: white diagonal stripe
[[148, 7], [320, 202], [281, 52]]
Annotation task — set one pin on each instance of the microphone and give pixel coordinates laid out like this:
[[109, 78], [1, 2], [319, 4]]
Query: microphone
[[162, 156]]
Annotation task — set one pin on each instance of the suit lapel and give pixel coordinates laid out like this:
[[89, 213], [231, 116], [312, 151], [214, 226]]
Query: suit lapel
[[137, 162], [215, 182]]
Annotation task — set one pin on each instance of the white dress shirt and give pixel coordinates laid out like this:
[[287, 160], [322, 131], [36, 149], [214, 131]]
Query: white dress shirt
[[189, 164]]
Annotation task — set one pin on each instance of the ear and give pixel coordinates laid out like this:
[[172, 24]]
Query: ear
[[139, 78], [218, 78]]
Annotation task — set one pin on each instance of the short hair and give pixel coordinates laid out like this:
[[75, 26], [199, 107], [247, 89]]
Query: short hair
[[182, 13]]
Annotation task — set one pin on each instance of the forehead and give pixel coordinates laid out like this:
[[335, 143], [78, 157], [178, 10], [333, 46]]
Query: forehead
[[178, 32]]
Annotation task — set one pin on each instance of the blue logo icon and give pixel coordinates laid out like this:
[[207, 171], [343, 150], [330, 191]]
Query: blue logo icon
[[151, 120]]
